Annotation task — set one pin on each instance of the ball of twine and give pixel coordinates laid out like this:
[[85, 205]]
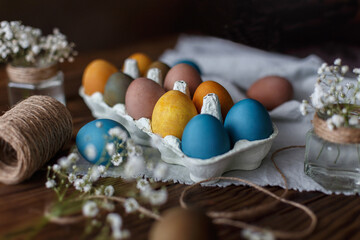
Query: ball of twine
[[31, 74], [340, 135], [30, 134]]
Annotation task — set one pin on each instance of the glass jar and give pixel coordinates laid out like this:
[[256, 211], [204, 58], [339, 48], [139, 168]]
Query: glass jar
[[27, 81], [333, 164]]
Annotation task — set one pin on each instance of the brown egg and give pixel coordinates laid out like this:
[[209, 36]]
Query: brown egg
[[271, 91], [141, 97], [185, 72], [164, 68], [183, 224]]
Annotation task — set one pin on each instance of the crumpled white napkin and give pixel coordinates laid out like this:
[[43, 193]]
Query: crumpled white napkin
[[236, 67]]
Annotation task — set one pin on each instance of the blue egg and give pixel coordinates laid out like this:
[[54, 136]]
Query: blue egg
[[248, 119], [191, 63], [204, 137], [92, 138]]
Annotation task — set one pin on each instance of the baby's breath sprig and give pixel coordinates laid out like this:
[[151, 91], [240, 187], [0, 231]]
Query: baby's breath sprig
[[94, 199], [26, 46], [334, 99]]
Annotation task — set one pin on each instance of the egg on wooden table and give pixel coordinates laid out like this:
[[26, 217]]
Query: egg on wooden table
[[116, 87], [141, 97], [171, 114], [248, 119], [185, 73], [92, 138], [163, 67], [271, 91], [96, 75], [204, 137], [143, 61]]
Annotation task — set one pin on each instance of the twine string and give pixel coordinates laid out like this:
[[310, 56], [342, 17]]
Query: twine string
[[30, 75], [30, 134], [340, 135], [226, 218]]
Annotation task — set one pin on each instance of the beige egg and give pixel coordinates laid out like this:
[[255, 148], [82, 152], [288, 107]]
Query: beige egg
[[141, 97], [185, 72], [271, 91], [183, 224]]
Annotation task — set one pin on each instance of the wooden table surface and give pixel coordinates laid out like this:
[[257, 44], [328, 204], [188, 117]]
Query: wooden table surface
[[23, 204]]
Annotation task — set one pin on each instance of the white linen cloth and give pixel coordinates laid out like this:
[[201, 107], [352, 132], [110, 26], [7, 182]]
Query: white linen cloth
[[236, 67]]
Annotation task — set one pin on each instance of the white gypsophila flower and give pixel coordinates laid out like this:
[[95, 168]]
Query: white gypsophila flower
[[72, 177], [73, 157], [64, 162], [330, 124], [253, 235], [99, 191], [101, 169], [90, 152], [134, 166], [50, 183], [117, 159], [160, 170], [339, 88], [131, 205], [158, 197], [354, 120], [356, 71], [110, 148], [337, 62], [90, 209], [344, 69], [344, 110], [118, 133], [142, 184], [79, 184], [87, 188], [108, 206], [56, 167], [349, 85], [134, 150], [94, 174], [120, 234], [114, 220], [357, 96], [109, 191], [303, 108], [317, 96], [330, 99], [337, 120]]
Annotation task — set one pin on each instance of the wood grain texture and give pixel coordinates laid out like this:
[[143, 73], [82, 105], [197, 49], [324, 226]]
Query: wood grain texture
[[23, 204]]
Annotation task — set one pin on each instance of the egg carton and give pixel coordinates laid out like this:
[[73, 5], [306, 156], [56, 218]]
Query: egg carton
[[245, 155]]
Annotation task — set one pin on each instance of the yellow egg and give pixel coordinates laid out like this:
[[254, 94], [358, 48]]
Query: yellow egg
[[96, 75], [171, 114], [143, 62]]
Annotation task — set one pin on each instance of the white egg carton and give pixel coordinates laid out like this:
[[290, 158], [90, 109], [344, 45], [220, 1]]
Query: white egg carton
[[246, 155]]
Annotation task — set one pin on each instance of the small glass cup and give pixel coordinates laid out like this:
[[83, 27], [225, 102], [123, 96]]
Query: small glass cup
[[335, 166], [25, 82]]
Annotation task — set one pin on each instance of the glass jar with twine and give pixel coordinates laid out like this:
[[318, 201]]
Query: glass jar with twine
[[35, 80], [332, 156]]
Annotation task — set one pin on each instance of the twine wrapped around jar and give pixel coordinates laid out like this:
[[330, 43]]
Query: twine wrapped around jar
[[31, 75], [340, 135], [30, 134]]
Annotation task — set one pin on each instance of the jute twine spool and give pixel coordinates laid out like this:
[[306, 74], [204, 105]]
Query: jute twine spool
[[340, 135], [30, 75], [30, 134]]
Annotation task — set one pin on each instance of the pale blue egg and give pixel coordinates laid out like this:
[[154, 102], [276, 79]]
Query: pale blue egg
[[248, 119], [204, 137], [92, 138]]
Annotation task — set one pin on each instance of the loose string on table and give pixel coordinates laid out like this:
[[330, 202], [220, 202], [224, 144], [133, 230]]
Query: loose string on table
[[227, 218]]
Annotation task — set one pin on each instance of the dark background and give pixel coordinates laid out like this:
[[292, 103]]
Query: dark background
[[268, 24]]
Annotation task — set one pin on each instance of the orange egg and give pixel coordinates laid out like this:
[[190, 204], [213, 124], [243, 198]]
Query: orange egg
[[143, 61], [96, 75], [206, 87]]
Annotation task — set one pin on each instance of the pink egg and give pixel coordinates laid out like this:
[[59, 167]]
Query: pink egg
[[185, 72], [141, 97]]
